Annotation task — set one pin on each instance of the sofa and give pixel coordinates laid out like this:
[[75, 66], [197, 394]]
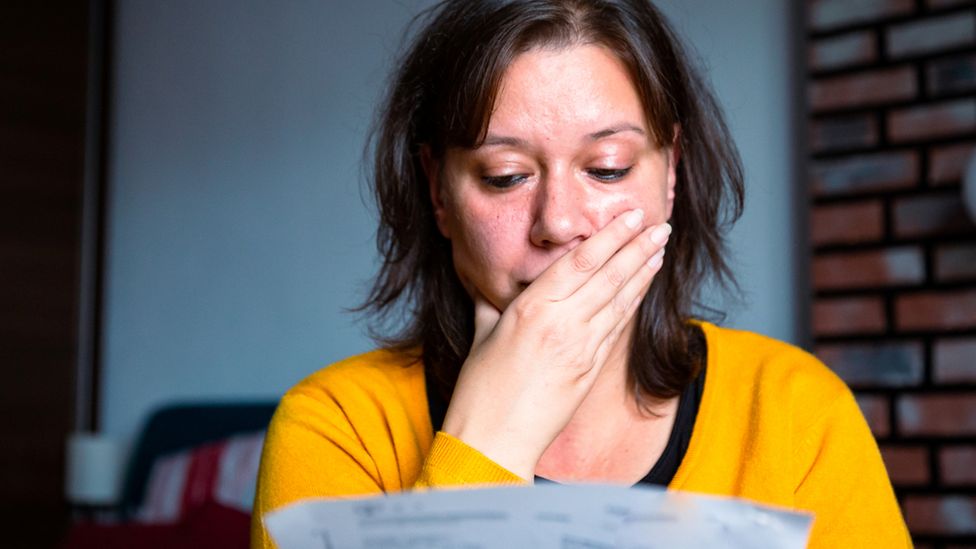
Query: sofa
[[189, 482]]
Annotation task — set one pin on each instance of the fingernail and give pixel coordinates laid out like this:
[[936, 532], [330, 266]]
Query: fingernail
[[657, 259], [633, 218], [660, 234]]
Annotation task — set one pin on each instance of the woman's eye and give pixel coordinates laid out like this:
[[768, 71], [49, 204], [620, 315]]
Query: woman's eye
[[608, 174], [504, 181]]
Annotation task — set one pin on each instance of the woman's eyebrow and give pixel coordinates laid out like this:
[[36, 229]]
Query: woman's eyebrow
[[494, 140], [596, 136]]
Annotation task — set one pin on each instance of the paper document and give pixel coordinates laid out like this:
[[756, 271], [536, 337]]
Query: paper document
[[539, 517]]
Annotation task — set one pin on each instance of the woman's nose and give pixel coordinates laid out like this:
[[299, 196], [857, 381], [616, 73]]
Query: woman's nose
[[561, 212]]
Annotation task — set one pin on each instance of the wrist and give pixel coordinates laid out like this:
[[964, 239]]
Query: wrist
[[496, 444]]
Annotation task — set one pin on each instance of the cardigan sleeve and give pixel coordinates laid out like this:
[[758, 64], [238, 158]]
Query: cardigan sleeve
[[451, 462], [842, 480], [321, 446]]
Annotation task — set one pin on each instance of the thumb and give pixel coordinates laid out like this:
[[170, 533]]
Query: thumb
[[485, 318]]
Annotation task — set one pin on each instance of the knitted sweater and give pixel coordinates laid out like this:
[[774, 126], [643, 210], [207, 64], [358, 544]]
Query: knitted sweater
[[774, 426]]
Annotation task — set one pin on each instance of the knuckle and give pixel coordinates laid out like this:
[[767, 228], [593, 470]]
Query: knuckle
[[582, 261], [525, 309], [621, 303], [614, 277]]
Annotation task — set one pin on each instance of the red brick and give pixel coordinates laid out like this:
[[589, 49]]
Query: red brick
[[865, 173], [946, 514], [931, 216], [863, 88], [826, 14], [848, 316], [936, 310], [937, 415], [958, 465], [906, 465], [951, 75], [846, 223], [942, 120], [877, 268], [931, 35], [875, 410], [844, 50], [947, 164], [955, 362], [843, 132], [956, 262], [874, 364]]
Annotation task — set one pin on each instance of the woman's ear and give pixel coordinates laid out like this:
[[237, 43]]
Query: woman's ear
[[674, 156], [432, 170]]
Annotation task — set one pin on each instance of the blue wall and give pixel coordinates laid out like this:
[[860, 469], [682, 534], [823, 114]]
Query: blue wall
[[746, 47], [237, 229]]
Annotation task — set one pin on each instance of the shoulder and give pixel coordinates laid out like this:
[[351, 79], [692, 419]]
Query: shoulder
[[359, 426], [379, 369], [762, 359], [379, 379], [773, 371]]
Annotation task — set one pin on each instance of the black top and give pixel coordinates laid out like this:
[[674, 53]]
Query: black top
[[684, 423]]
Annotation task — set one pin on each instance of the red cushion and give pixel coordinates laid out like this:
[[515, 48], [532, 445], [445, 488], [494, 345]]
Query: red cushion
[[209, 525], [224, 471]]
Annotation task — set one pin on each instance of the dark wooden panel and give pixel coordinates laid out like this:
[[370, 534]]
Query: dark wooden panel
[[43, 68]]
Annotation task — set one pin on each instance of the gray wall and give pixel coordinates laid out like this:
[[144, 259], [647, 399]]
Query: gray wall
[[746, 48], [237, 232]]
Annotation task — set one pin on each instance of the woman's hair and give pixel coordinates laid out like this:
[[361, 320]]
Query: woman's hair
[[441, 96]]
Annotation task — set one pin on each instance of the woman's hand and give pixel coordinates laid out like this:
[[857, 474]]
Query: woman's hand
[[530, 367]]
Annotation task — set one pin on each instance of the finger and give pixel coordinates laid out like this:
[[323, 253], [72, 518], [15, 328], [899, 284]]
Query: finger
[[616, 317], [615, 275], [571, 271], [485, 318], [622, 307]]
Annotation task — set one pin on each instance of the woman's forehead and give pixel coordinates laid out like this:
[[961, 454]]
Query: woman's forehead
[[581, 91]]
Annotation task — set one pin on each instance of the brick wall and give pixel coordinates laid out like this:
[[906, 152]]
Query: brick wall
[[892, 122]]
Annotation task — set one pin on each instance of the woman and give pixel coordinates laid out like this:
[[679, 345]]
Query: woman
[[531, 161]]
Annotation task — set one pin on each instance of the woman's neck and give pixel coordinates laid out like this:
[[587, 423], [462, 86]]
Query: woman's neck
[[611, 435]]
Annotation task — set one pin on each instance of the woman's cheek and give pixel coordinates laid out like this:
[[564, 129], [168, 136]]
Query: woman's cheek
[[612, 204], [648, 193], [481, 249], [493, 241]]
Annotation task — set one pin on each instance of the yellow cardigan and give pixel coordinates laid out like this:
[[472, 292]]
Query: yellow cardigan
[[774, 426]]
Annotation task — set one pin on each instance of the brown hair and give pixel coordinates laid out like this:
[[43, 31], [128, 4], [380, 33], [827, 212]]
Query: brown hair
[[441, 96]]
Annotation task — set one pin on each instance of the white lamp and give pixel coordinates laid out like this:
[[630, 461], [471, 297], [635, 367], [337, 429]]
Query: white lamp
[[969, 186], [94, 475]]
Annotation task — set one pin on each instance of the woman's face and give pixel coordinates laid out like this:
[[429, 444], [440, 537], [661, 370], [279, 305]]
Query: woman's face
[[567, 150]]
